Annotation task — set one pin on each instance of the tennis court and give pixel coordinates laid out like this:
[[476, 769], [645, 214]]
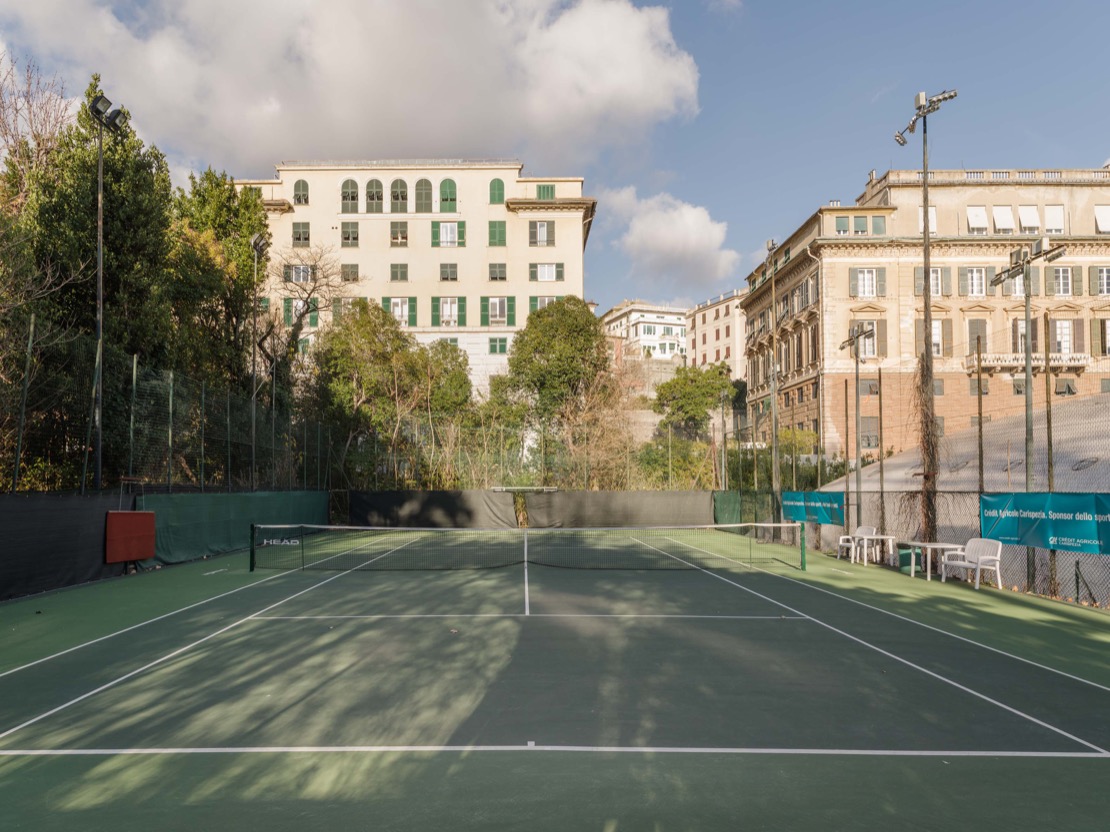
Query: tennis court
[[589, 683]]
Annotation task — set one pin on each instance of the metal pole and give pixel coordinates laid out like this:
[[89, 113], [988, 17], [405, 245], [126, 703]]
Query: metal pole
[[273, 425], [227, 473], [1053, 583], [169, 442], [979, 397], [847, 479], [1030, 556], [202, 392], [23, 404], [927, 391], [859, 427], [254, 363], [131, 425], [99, 299], [882, 477], [776, 473]]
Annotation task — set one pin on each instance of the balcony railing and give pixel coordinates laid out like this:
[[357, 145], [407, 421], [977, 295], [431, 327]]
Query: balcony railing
[[1011, 362]]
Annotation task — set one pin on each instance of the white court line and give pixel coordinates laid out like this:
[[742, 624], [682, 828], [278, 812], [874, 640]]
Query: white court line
[[527, 599], [140, 624], [213, 572], [578, 749], [181, 650], [887, 653], [532, 615]]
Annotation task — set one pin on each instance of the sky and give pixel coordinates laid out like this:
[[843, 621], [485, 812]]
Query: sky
[[702, 127]]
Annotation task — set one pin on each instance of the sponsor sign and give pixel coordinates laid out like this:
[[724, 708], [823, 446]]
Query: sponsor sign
[[813, 507], [1065, 522]]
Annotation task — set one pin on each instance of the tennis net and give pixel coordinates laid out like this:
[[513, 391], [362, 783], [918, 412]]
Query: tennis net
[[352, 548]]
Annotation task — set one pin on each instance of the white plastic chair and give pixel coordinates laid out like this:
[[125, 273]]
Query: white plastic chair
[[978, 554], [856, 548]]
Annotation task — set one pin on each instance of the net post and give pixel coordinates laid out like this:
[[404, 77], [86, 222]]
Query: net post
[[302, 548], [802, 538], [252, 547]]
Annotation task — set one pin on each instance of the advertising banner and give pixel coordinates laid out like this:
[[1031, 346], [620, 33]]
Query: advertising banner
[[1065, 522], [813, 507]]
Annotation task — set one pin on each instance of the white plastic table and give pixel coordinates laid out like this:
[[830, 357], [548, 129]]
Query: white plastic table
[[884, 541], [927, 549]]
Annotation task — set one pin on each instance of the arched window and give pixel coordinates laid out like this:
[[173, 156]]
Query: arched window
[[349, 197], [399, 197], [374, 196], [423, 197], [300, 192], [447, 202], [496, 192]]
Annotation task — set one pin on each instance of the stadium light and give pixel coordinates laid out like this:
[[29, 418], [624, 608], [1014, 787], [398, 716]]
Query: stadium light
[[923, 106], [99, 109], [1020, 261]]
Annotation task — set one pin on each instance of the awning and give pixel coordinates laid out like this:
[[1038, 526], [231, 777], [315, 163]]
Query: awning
[[1029, 216], [1054, 219], [1003, 218], [977, 217], [932, 219], [1102, 219]]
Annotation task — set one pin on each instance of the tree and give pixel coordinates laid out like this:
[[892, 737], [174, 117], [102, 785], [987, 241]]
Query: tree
[[687, 399], [555, 362]]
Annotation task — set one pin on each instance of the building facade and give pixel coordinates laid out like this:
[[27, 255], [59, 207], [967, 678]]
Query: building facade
[[638, 329], [716, 331], [457, 250], [861, 266]]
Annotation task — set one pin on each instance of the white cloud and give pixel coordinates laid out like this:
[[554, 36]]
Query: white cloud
[[672, 244], [242, 85]]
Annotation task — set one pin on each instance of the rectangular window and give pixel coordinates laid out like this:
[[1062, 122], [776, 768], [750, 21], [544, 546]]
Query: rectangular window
[[973, 386], [938, 338], [878, 226], [1019, 337], [869, 432], [544, 301], [399, 309], [350, 235], [448, 234], [859, 226], [869, 387], [545, 272], [1061, 280], [1019, 387], [497, 271], [498, 310], [867, 341], [399, 234], [976, 282], [1003, 219], [1063, 341], [497, 232], [935, 281], [841, 226], [976, 219], [1029, 219], [448, 271], [448, 311], [938, 387], [300, 235], [545, 192], [866, 283], [399, 272], [1017, 287], [1105, 386], [1054, 219], [647, 329], [541, 233], [1066, 387], [1104, 280], [349, 272], [298, 273], [498, 346]]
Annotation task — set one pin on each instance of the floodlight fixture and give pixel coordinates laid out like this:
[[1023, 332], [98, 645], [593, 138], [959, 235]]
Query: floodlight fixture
[[259, 243], [898, 137], [99, 106], [770, 245], [944, 95], [1054, 253], [114, 120]]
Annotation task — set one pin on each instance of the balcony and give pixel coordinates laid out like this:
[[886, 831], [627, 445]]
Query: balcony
[[1014, 362]]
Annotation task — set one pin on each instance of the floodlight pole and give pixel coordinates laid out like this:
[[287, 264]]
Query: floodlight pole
[[923, 106], [259, 245], [858, 332], [776, 474]]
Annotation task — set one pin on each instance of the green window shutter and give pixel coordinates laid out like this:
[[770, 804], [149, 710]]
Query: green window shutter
[[919, 280], [485, 311], [880, 338], [287, 272], [1077, 280], [880, 280], [336, 309], [545, 192], [946, 280], [976, 329], [435, 234], [1049, 281], [462, 233], [313, 313], [841, 225], [990, 290], [551, 233], [878, 226], [496, 192], [1077, 329], [946, 337], [496, 233], [1097, 347], [853, 283], [462, 311], [511, 304], [1034, 280], [919, 335], [558, 271], [412, 311], [1007, 287], [435, 311], [1092, 279], [963, 281], [287, 311], [264, 304], [533, 234], [447, 192], [385, 303], [533, 302], [533, 271]]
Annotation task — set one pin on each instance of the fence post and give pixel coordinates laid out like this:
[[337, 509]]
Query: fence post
[[847, 485], [131, 426], [319, 445], [979, 397], [273, 425], [23, 404], [1053, 582], [92, 415], [202, 392], [227, 473], [882, 470], [169, 442]]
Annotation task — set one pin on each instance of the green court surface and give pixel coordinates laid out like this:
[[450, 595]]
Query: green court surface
[[532, 697]]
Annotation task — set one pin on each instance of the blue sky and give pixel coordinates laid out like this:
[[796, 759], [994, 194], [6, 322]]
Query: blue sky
[[703, 127]]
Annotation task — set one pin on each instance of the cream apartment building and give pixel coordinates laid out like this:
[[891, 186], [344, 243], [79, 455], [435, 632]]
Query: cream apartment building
[[462, 250], [639, 329], [716, 331], [848, 266]]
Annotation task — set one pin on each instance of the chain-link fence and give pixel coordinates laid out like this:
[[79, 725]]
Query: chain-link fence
[[158, 428]]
